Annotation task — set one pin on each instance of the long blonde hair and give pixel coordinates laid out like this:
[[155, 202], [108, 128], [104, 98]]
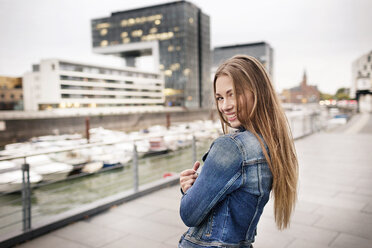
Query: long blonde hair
[[266, 117]]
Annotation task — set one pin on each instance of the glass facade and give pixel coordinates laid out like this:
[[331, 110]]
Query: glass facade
[[183, 34], [260, 50]]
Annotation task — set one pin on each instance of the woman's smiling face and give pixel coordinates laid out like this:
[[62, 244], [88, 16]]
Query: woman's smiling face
[[226, 100]]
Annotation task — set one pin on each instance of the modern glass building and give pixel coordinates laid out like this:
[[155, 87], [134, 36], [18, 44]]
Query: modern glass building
[[176, 34], [260, 50]]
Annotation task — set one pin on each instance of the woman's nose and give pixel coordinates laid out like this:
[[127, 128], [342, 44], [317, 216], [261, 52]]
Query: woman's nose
[[227, 105]]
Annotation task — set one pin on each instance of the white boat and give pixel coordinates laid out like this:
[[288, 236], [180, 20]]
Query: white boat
[[7, 165], [48, 169], [157, 146], [12, 181], [38, 160], [53, 171], [92, 167]]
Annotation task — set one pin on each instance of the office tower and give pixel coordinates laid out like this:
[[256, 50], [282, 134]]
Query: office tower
[[260, 50], [175, 34]]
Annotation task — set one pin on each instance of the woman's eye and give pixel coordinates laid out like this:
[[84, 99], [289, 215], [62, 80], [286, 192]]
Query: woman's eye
[[218, 98]]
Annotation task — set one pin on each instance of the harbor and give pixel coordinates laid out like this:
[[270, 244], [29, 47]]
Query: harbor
[[113, 166], [333, 209]]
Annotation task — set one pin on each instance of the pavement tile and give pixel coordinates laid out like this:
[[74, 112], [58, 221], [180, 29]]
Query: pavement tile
[[167, 217], [364, 191], [170, 192], [335, 223], [345, 214], [365, 182], [299, 243], [135, 209], [108, 219], [174, 240], [354, 197], [306, 207], [300, 217], [269, 239], [367, 209], [347, 241], [160, 201], [51, 241], [333, 202], [142, 227], [297, 231], [90, 235], [134, 241]]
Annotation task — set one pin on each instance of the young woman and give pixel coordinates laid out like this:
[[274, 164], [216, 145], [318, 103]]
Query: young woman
[[223, 204]]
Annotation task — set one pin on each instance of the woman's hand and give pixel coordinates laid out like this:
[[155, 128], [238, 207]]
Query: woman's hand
[[188, 177]]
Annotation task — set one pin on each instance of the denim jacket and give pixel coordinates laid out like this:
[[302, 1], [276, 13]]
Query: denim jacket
[[223, 206]]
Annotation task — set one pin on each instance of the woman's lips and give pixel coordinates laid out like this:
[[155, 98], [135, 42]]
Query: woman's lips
[[231, 118]]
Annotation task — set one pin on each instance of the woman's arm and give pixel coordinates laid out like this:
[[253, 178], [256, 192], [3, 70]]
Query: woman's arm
[[221, 169]]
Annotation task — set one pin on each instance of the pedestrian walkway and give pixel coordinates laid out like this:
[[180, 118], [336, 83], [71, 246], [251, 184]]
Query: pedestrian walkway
[[334, 205]]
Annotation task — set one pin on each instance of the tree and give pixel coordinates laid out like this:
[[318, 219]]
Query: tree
[[325, 96], [342, 94]]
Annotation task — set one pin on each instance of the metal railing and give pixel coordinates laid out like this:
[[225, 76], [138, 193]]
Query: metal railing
[[105, 183], [139, 176]]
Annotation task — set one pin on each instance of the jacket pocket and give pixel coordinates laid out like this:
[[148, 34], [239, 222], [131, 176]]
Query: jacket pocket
[[209, 226]]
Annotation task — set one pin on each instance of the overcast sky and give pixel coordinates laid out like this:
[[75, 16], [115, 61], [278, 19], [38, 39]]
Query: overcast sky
[[322, 36]]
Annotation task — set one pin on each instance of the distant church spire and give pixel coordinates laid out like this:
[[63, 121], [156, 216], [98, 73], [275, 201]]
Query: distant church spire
[[304, 79]]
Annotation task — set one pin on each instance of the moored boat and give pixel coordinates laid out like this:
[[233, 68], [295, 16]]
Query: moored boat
[[12, 181]]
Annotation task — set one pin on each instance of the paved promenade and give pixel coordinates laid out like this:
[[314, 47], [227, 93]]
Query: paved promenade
[[334, 206]]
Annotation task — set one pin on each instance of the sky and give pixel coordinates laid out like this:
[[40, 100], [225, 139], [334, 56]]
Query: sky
[[322, 37]]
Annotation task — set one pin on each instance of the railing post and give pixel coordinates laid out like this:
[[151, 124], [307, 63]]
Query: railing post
[[303, 125], [135, 168], [193, 149], [26, 197], [312, 116]]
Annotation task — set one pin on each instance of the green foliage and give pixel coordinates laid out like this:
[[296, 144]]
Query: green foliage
[[341, 94], [325, 96]]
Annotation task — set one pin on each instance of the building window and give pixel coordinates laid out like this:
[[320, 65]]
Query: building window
[[137, 33], [103, 32], [2, 95], [12, 96], [369, 58], [104, 43]]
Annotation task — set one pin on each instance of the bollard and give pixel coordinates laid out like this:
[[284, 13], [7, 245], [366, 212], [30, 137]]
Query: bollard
[[193, 149], [135, 168], [26, 197]]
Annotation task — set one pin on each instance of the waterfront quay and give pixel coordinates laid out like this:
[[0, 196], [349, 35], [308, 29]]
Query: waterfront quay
[[334, 206], [17, 126]]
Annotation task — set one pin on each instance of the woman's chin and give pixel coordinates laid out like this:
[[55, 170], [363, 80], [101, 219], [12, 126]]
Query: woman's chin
[[235, 124]]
